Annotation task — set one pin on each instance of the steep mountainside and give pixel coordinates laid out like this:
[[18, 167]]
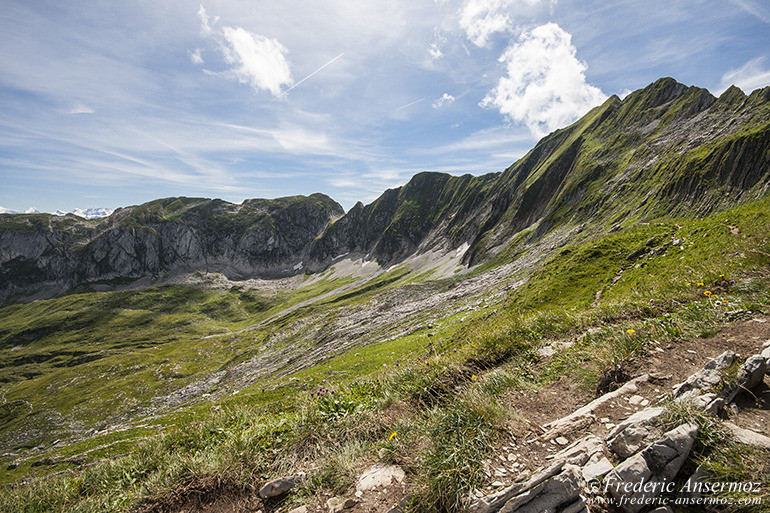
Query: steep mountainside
[[664, 148], [632, 246]]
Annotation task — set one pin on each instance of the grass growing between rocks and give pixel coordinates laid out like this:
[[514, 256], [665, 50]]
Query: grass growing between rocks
[[432, 404], [744, 470], [438, 417]]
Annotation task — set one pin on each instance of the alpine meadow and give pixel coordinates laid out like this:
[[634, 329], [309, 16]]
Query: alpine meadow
[[393, 256], [180, 354]]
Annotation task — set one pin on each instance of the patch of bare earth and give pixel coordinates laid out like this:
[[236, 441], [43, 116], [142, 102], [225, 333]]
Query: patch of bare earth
[[667, 364], [525, 450], [205, 495]]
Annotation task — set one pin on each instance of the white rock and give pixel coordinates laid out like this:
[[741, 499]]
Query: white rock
[[598, 469], [750, 374], [708, 376], [747, 436], [635, 432], [337, 504], [658, 463], [380, 475]]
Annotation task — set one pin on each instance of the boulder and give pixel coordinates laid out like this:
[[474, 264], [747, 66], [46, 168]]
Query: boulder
[[709, 376], [647, 474], [710, 403], [636, 432], [749, 375], [380, 475], [280, 486], [597, 469], [766, 352], [554, 494], [337, 504], [494, 502], [580, 451], [747, 436]]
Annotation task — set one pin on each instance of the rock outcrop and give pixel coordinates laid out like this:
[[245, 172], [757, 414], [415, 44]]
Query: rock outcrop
[[258, 238], [665, 148], [648, 460]]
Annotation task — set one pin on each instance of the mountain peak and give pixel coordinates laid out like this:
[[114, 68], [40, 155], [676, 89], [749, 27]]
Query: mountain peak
[[656, 94], [664, 148]]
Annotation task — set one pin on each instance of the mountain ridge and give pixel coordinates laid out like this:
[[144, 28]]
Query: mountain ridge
[[664, 148], [618, 247]]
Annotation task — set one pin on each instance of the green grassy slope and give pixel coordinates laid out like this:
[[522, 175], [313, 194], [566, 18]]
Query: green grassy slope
[[624, 220], [634, 277]]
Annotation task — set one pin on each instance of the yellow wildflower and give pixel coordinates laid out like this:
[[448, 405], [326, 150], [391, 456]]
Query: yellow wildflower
[[630, 331], [700, 283], [474, 378], [392, 436], [707, 293]]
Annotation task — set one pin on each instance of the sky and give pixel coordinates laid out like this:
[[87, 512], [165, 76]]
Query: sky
[[108, 104]]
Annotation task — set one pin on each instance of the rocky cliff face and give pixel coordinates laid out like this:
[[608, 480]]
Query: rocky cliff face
[[268, 238], [665, 148]]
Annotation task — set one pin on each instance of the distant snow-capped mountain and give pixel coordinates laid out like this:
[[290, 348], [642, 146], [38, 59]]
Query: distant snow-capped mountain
[[89, 213], [30, 210]]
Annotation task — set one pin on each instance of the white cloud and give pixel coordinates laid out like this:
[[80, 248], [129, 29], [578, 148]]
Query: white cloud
[[434, 51], [438, 40], [545, 86], [446, 99], [205, 25], [299, 140], [195, 57], [79, 108], [481, 19], [748, 77], [258, 60]]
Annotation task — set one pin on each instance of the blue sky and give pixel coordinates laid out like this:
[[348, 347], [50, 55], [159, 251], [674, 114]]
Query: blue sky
[[107, 104]]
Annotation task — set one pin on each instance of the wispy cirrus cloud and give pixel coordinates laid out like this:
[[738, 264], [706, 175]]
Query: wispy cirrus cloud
[[195, 56], [80, 108], [748, 77], [756, 9], [545, 85]]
